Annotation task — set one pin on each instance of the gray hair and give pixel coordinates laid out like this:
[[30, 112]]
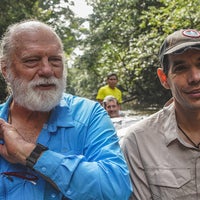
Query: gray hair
[[8, 41], [108, 99]]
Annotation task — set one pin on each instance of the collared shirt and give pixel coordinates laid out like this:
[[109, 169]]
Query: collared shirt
[[106, 90], [162, 165], [84, 159]]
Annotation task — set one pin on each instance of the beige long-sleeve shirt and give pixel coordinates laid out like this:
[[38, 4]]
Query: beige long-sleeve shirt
[[162, 165]]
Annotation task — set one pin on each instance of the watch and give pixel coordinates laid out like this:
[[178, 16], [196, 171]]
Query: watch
[[35, 154]]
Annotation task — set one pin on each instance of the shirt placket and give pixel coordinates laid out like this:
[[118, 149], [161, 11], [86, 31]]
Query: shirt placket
[[197, 170]]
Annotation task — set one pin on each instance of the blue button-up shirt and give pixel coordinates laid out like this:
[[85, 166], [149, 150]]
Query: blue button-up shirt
[[84, 160]]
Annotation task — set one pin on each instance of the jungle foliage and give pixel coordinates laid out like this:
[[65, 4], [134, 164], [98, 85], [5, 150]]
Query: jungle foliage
[[52, 12], [124, 36]]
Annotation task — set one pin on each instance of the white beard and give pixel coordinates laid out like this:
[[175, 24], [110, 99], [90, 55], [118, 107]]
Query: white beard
[[25, 94]]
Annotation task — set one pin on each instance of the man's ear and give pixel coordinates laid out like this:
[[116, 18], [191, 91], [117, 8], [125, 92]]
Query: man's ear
[[163, 78]]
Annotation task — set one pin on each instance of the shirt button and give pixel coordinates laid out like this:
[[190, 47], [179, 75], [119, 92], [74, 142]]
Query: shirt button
[[69, 192], [53, 195], [45, 126], [44, 169]]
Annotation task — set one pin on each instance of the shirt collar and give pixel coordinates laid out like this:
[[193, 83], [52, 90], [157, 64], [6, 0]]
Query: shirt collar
[[170, 128], [61, 115], [4, 111]]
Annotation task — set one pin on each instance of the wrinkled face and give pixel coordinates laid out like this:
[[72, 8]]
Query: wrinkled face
[[184, 78], [112, 81], [112, 108], [36, 71]]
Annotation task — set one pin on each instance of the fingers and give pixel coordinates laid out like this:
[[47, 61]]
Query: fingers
[[2, 121], [13, 147], [5, 127], [2, 124], [1, 132], [1, 128]]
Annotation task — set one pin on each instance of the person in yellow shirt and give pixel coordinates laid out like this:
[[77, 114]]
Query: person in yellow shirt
[[110, 89]]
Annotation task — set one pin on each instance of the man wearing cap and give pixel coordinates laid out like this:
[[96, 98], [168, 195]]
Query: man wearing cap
[[163, 150]]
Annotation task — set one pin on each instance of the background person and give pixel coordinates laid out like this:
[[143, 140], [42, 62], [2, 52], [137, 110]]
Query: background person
[[52, 145], [162, 150], [110, 89], [111, 105]]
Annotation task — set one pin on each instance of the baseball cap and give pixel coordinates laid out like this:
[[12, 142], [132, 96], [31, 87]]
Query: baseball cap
[[179, 41]]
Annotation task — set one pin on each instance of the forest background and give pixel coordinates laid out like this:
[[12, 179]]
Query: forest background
[[122, 36]]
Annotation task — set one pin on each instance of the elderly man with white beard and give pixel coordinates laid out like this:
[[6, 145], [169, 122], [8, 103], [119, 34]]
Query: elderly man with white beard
[[53, 145]]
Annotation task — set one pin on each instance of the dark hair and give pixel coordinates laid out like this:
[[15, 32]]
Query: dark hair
[[165, 64], [112, 74]]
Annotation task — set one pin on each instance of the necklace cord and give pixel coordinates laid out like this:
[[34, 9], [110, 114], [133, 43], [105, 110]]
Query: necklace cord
[[196, 145]]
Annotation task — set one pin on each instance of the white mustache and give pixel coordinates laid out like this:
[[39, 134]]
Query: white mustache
[[44, 81]]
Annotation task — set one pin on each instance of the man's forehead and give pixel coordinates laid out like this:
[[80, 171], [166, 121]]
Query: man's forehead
[[181, 58], [28, 38], [111, 102], [192, 51], [113, 76], [24, 34]]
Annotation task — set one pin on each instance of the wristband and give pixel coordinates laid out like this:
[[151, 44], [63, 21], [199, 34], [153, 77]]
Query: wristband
[[35, 154]]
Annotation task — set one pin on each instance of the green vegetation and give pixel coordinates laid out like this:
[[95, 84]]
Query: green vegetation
[[48, 11], [124, 36]]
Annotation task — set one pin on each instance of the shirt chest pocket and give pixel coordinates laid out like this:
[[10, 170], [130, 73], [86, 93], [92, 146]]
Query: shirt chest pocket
[[169, 183]]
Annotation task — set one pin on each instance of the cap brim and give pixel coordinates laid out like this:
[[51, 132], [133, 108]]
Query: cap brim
[[182, 47]]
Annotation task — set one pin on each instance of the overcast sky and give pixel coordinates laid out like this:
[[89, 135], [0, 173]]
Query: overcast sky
[[81, 8]]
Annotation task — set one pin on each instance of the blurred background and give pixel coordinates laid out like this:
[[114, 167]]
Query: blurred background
[[102, 36]]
